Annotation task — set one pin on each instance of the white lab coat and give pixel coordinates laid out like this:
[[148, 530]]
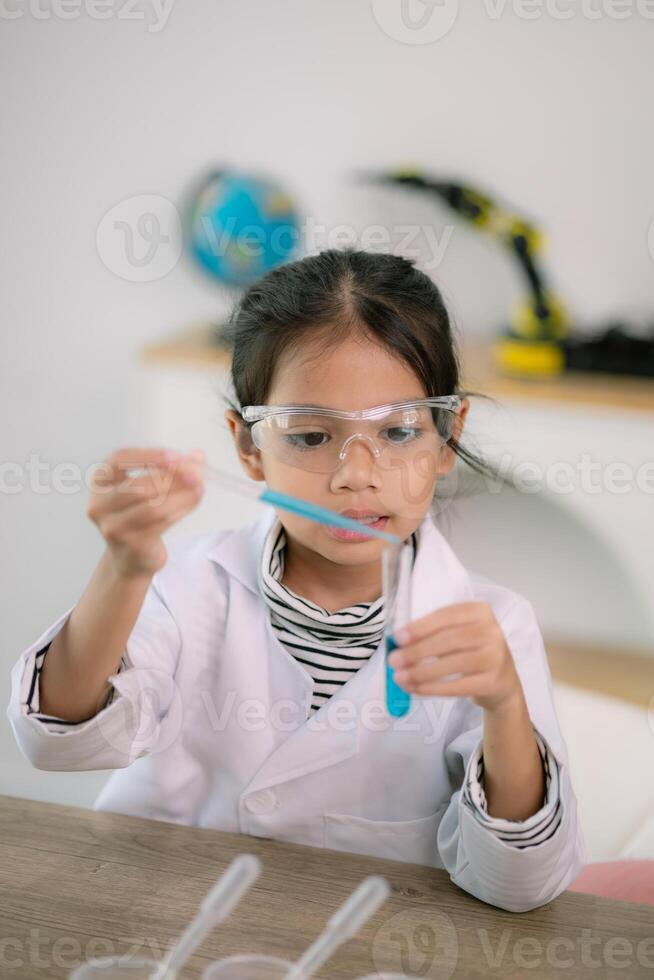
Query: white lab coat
[[209, 727]]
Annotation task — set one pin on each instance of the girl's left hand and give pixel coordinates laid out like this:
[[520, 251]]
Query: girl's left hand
[[461, 639]]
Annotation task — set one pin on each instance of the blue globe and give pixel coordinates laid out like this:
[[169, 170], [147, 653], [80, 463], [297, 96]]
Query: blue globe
[[241, 227]]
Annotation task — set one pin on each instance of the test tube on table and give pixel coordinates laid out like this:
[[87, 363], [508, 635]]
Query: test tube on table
[[396, 589]]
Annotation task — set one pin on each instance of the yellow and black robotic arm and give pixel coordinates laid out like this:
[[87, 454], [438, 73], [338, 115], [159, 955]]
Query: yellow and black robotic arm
[[532, 345]]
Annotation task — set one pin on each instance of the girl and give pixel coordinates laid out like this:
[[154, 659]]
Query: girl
[[238, 682]]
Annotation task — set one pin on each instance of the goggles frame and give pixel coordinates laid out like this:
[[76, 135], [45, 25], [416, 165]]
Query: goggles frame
[[255, 413]]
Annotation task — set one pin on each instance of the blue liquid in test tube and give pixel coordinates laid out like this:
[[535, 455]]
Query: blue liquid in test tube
[[396, 586]]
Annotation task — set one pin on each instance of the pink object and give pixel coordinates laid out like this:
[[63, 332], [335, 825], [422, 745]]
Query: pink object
[[629, 880]]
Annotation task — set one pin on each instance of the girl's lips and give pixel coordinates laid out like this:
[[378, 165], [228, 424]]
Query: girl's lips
[[362, 515], [342, 535]]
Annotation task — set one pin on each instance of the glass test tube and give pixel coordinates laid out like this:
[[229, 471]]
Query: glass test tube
[[396, 589]]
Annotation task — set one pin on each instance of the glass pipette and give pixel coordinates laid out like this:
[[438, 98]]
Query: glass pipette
[[216, 906], [304, 508], [342, 925]]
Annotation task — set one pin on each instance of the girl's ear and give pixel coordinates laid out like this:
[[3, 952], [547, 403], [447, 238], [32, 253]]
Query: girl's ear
[[247, 452], [448, 456]]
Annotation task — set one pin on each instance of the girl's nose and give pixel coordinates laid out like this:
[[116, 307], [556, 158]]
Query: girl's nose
[[357, 467]]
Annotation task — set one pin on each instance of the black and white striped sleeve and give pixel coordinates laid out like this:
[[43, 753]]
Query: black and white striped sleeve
[[537, 828], [121, 730], [32, 705]]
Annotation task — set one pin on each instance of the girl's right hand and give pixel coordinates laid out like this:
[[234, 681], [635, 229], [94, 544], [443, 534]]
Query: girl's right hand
[[133, 512]]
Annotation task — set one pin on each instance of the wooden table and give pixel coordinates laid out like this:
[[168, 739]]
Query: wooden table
[[77, 883]]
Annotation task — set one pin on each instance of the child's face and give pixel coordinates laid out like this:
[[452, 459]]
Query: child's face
[[353, 376]]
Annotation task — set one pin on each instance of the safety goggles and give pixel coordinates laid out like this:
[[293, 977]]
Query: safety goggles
[[318, 439]]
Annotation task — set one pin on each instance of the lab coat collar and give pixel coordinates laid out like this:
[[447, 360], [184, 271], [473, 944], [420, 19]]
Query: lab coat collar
[[239, 553], [439, 577]]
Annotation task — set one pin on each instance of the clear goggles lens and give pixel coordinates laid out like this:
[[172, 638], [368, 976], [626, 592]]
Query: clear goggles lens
[[319, 442]]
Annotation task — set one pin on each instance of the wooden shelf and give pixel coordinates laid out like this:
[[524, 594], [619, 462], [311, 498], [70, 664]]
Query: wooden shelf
[[574, 387], [194, 348], [624, 674]]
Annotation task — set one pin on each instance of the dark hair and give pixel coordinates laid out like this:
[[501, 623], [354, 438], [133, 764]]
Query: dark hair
[[334, 294]]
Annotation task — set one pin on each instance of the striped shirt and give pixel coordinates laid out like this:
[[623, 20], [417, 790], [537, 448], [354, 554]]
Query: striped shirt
[[52, 723], [330, 646], [518, 833]]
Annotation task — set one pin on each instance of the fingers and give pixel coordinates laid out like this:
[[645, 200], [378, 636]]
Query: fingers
[[441, 644], [470, 686], [113, 469], [167, 475], [133, 511], [148, 516], [152, 488], [431, 670], [458, 614]]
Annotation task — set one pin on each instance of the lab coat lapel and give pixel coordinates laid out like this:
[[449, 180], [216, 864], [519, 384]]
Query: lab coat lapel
[[438, 578], [331, 734]]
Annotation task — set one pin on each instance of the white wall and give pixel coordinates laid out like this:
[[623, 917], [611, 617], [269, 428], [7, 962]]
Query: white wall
[[553, 114]]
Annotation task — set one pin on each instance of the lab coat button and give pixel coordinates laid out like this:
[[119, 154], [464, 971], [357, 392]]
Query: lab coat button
[[262, 802]]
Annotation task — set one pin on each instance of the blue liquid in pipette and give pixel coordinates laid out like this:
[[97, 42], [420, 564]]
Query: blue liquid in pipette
[[398, 701], [322, 515], [296, 505]]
